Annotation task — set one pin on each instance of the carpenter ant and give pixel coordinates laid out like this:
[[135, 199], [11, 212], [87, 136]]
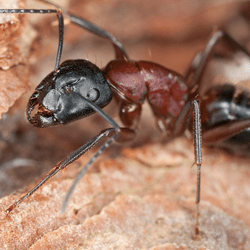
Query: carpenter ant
[[78, 88]]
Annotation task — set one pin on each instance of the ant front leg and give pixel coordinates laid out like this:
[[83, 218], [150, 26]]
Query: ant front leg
[[129, 115], [112, 134]]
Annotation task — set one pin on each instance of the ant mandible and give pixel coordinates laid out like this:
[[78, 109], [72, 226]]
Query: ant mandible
[[78, 88]]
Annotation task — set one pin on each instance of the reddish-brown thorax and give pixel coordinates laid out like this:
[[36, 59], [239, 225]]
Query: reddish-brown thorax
[[138, 81]]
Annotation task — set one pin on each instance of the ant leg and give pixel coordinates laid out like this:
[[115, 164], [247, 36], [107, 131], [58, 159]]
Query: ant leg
[[223, 132], [130, 114], [198, 158], [61, 165], [180, 126], [128, 136], [196, 70], [113, 133], [183, 120], [85, 24], [44, 11]]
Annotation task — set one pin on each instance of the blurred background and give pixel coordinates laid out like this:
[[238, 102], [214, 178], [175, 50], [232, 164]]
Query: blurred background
[[167, 32]]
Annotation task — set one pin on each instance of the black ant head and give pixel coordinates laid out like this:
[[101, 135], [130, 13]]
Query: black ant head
[[58, 98]]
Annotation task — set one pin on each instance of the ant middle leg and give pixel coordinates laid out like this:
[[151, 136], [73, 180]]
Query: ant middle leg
[[181, 124]]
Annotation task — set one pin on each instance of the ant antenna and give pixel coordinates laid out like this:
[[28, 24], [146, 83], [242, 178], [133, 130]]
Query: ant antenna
[[45, 11], [60, 44]]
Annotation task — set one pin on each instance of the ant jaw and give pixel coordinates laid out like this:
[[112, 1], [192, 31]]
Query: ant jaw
[[42, 118], [38, 115]]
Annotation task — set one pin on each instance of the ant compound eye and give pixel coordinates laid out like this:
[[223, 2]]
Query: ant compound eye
[[93, 95], [67, 89]]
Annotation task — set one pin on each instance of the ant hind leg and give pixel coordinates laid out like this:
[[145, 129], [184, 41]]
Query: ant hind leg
[[198, 65]]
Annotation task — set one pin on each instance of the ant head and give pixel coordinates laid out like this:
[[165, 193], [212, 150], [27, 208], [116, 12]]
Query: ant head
[[58, 99]]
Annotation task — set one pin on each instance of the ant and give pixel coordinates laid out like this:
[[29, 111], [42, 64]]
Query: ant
[[78, 88]]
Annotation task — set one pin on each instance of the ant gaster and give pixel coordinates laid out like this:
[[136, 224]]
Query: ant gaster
[[78, 88]]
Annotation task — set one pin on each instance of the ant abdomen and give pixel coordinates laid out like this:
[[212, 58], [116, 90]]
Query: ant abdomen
[[224, 104]]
